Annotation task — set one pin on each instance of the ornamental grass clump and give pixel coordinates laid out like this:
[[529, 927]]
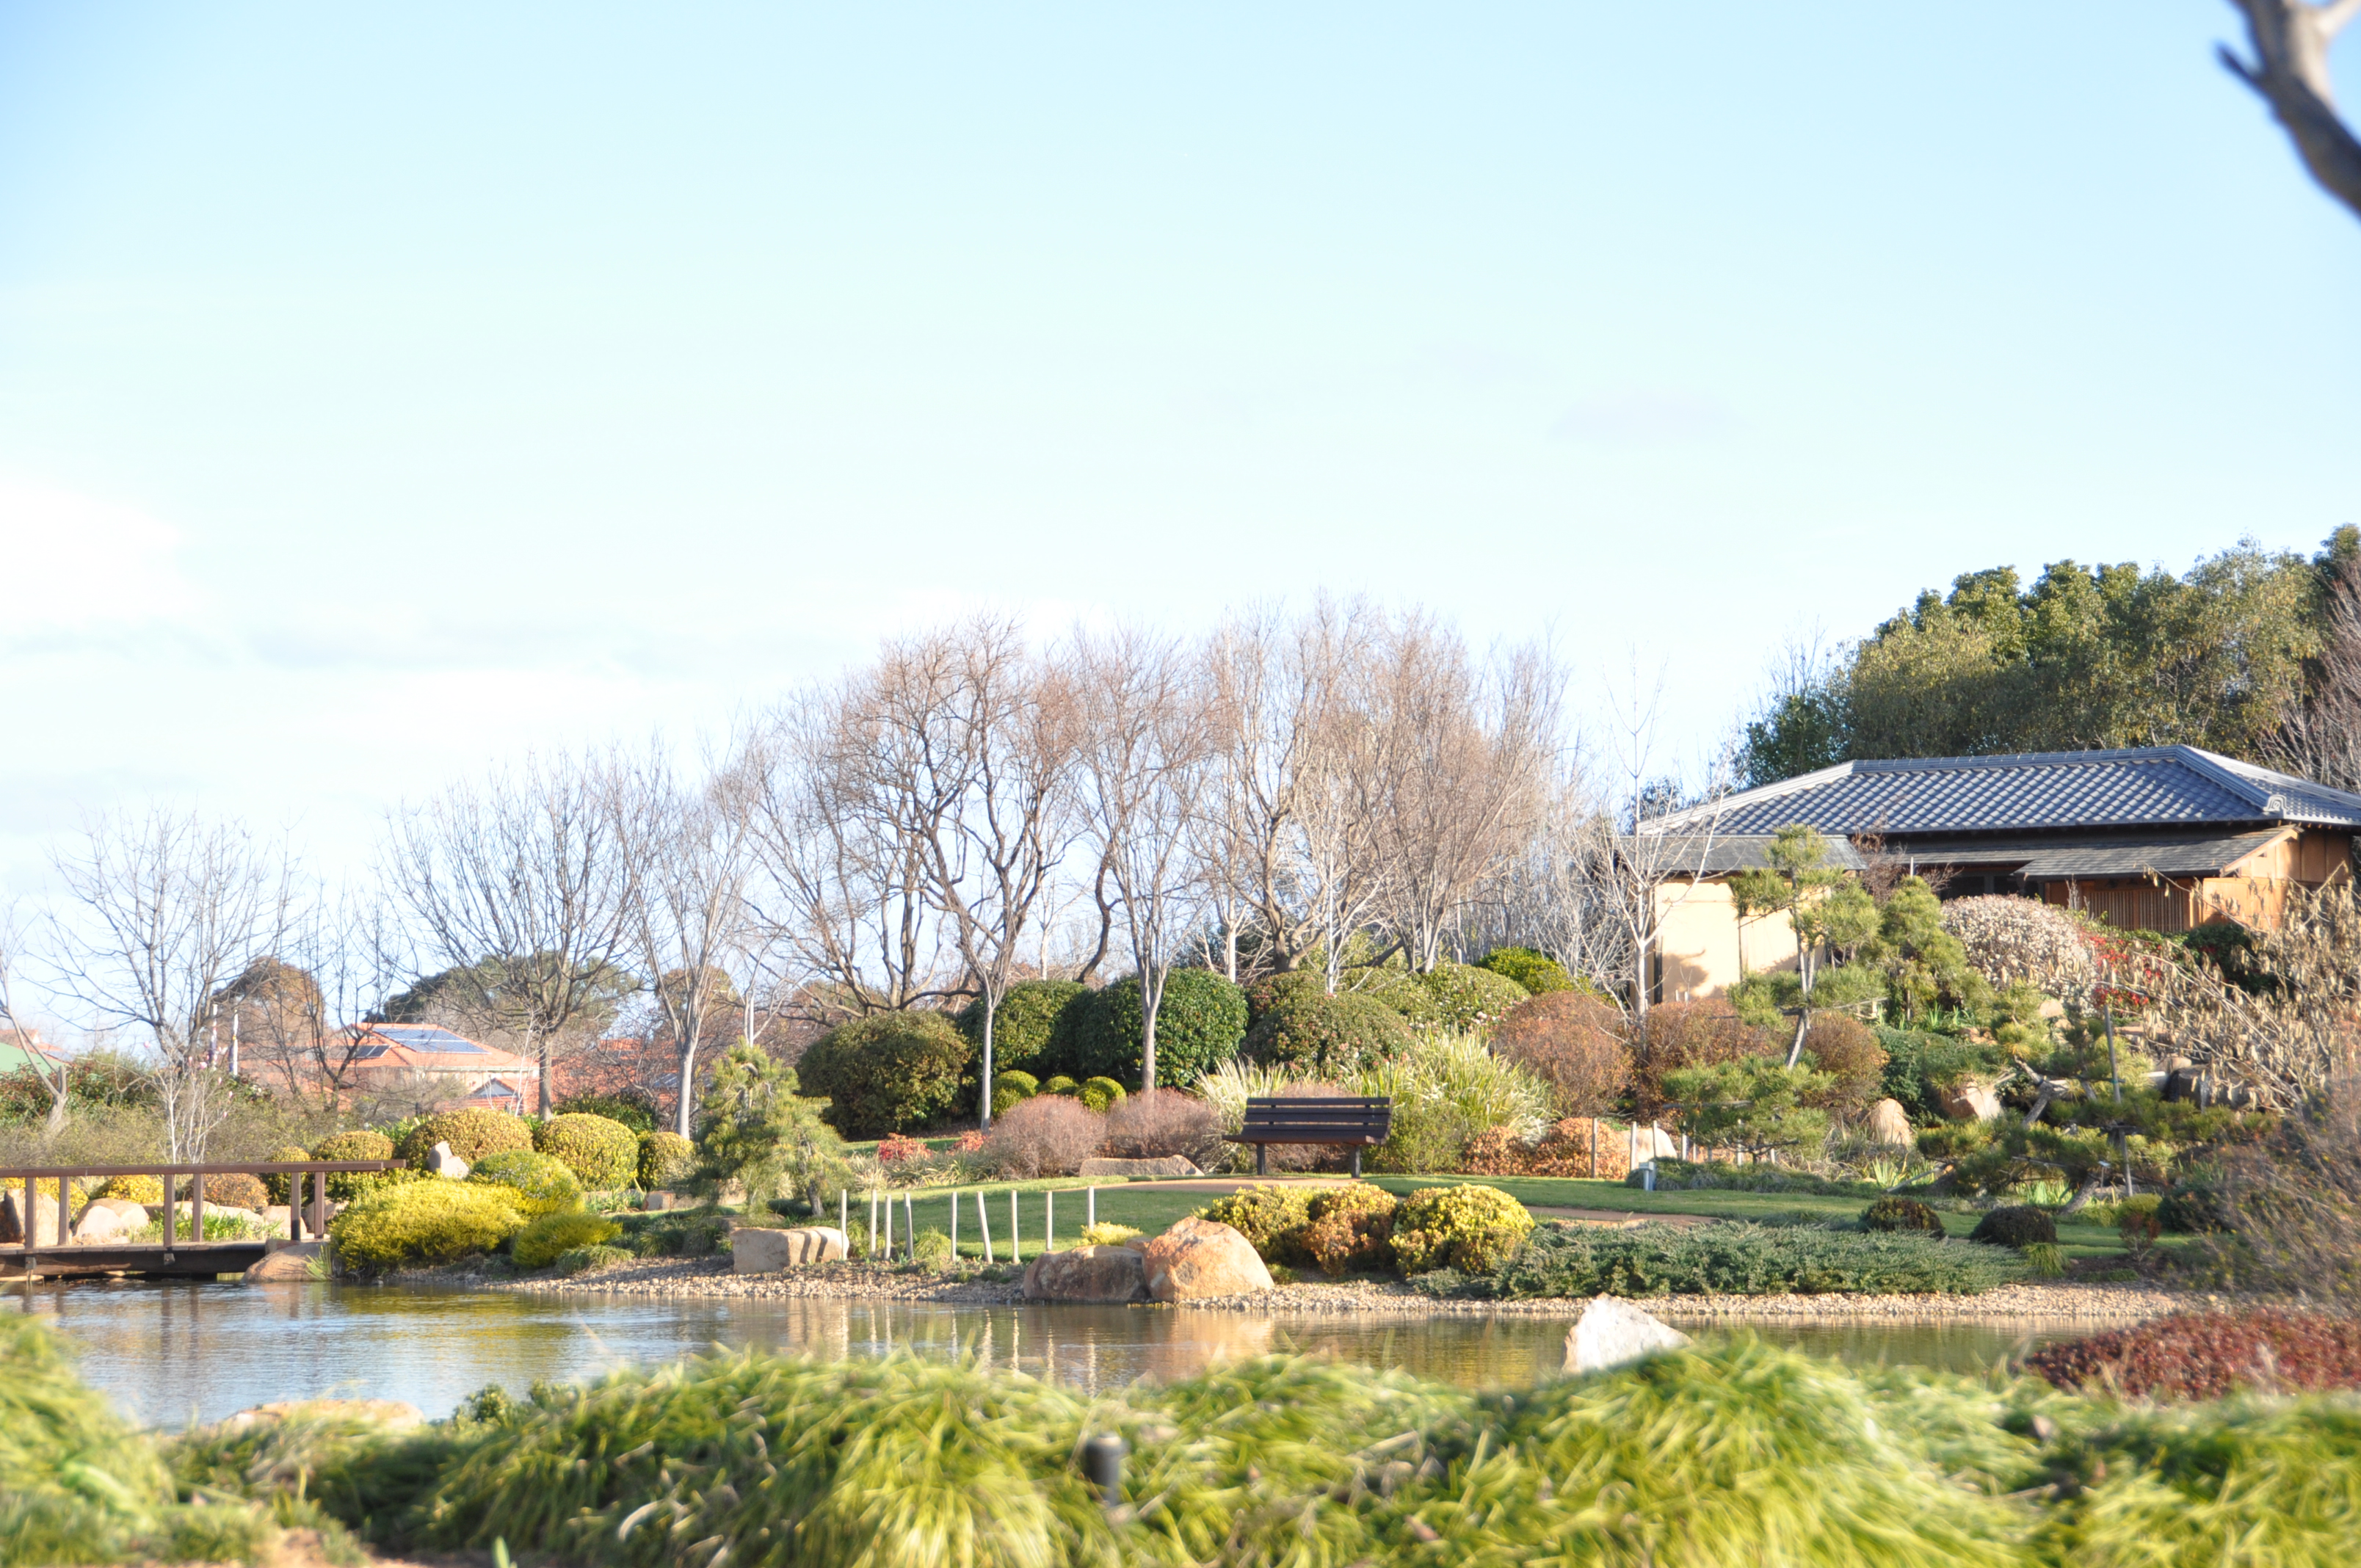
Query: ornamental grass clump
[[1737, 1259]]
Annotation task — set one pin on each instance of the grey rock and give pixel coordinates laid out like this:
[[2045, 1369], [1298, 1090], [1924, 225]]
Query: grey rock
[[1088, 1274], [1613, 1332]]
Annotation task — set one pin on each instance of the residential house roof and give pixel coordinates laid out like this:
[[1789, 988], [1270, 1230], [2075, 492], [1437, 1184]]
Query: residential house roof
[[423, 1047], [1719, 854], [2152, 786]]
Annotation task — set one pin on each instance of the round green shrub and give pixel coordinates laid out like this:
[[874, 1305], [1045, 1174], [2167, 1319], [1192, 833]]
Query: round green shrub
[[1351, 1230], [634, 1110], [886, 1071], [1271, 1219], [345, 1185], [543, 1240], [237, 1190], [2018, 1226], [664, 1158], [1025, 1085], [1468, 998], [1472, 1229], [1198, 1027], [1060, 1084], [542, 1184], [2194, 1206], [603, 1155], [279, 1186], [1535, 970], [423, 1221], [1321, 1035], [1891, 1213], [1024, 1025], [149, 1190], [472, 1133], [1274, 993], [1100, 1094], [577, 1259]]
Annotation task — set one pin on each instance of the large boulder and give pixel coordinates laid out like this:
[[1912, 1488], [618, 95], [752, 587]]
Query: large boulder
[[442, 1162], [754, 1250], [287, 1264], [1088, 1274], [1168, 1165], [51, 1228], [1889, 1124], [1197, 1259], [1613, 1332], [1654, 1143], [109, 1219], [1969, 1100]]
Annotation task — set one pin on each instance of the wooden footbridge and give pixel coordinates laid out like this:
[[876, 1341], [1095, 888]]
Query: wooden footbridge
[[44, 1246]]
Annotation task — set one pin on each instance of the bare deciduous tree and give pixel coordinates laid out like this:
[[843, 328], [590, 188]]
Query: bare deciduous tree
[[294, 1013], [168, 909], [53, 1075], [2290, 71], [522, 886]]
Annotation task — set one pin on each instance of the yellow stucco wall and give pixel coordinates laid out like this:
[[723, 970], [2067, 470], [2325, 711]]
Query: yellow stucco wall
[[1703, 947]]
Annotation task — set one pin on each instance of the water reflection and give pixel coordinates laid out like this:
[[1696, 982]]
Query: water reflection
[[171, 1352]]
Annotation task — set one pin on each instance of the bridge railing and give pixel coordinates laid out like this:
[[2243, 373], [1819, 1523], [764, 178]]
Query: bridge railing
[[29, 1179]]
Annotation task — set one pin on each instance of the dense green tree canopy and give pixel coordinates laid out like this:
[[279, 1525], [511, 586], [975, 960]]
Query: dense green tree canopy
[[2096, 656]]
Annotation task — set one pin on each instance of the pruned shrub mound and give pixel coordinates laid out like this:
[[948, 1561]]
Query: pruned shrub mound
[[2019, 1225], [1009, 1088], [1058, 1084], [1732, 1258], [1682, 1035], [1100, 1094], [1473, 1230], [422, 1222], [1270, 1218], [1198, 1027], [1467, 999], [1582, 1146], [275, 1188], [1274, 993], [603, 1155], [149, 1190], [472, 1132], [1891, 1213], [1350, 1230], [1049, 1136], [887, 1071], [1164, 1123], [1847, 1050], [634, 1110], [2194, 1206], [1024, 1024], [1574, 1043], [548, 1236], [1325, 1035], [343, 1186], [2203, 1355], [539, 1183], [2009, 940], [1538, 972], [1497, 1151], [237, 1189], [664, 1158]]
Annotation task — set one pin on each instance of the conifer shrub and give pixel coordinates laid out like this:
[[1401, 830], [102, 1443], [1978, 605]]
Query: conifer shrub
[[887, 1072], [1271, 1219], [1894, 1213], [1732, 1258], [664, 1158], [1687, 1035], [547, 1237], [1471, 1229], [424, 1223], [538, 1183], [2018, 1226], [603, 1155], [1350, 1230], [473, 1132]]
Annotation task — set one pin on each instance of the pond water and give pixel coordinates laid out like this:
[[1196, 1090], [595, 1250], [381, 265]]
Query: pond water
[[169, 1354]]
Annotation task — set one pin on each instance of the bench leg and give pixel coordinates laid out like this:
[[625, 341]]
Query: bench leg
[[1356, 1162], [1262, 1160]]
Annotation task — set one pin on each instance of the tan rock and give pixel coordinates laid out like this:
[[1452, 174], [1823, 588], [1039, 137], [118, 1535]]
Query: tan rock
[[1167, 1164], [50, 1227], [1088, 1274], [109, 1219], [1970, 1100], [1890, 1124], [442, 1162], [755, 1250], [1197, 1259], [288, 1262], [377, 1412]]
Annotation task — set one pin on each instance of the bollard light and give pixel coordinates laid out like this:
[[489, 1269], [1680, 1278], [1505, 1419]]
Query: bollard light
[[1103, 1465]]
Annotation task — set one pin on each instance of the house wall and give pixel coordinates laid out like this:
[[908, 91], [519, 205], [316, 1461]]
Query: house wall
[[1703, 947], [2254, 892]]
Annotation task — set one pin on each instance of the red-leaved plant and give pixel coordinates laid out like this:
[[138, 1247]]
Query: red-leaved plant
[[2203, 1355]]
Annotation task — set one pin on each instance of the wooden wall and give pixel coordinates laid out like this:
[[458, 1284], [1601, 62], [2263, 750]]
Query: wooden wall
[[2253, 892]]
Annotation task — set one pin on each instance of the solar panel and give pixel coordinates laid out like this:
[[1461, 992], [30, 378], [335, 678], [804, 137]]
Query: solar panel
[[425, 1037]]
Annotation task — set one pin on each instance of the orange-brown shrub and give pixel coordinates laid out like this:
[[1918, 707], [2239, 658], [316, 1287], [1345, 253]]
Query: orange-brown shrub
[[1352, 1230], [1571, 1041], [1677, 1035], [1163, 1122], [1496, 1151], [1848, 1050], [1564, 1150], [1048, 1136]]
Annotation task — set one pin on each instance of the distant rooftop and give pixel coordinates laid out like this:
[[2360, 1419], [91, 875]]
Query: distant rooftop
[[2152, 786]]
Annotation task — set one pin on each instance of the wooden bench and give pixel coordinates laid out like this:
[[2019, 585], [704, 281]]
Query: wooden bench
[[1359, 1120]]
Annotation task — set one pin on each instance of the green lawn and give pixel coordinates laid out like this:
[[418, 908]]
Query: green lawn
[[1142, 1206]]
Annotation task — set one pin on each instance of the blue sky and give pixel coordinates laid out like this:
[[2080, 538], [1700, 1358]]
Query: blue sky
[[384, 390]]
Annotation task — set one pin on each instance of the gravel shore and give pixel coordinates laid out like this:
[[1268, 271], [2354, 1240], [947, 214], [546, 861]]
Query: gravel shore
[[2093, 1303]]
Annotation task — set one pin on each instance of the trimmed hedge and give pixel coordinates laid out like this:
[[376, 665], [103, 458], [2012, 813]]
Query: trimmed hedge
[[1100, 1094], [547, 1238], [1024, 1025], [1198, 1027], [887, 1071], [2019, 1226], [1474, 1230], [1892, 1215], [664, 1158], [1469, 999], [423, 1221], [1271, 1218], [1351, 1230], [1317, 1034], [541, 1184], [1535, 970], [472, 1132], [1731, 1259], [602, 1154]]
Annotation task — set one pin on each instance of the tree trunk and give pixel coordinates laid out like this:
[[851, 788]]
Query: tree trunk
[[983, 1098], [687, 1084]]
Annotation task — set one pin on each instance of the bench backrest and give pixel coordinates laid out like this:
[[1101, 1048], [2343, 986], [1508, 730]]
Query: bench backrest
[[1342, 1119]]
